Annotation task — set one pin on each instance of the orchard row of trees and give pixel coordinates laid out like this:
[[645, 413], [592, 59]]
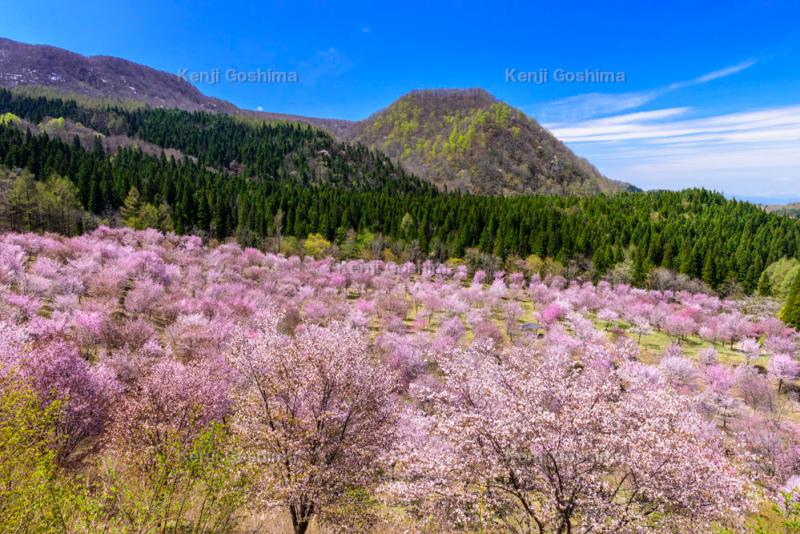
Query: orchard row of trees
[[149, 383], [257, 181]]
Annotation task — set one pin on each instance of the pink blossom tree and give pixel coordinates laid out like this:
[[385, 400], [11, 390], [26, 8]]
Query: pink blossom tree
[[513, 312], [535, 443], [679, 325], [750, 348], [551, 313], [754, 388], [783, 367], [717, 397], [607, 316], [641, 327], [58, 372], [678, 371], [172, 401], [317, 412], [487, 330]]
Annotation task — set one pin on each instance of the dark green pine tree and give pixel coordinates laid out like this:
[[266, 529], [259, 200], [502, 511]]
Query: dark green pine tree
[[640, 267], [709, 273]]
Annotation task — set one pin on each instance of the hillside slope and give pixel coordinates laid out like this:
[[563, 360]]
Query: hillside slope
[[101, 77], [469, 141], [41, 70], [459, 140]]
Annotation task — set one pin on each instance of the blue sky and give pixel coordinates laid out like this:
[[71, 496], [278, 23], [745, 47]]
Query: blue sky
[[711, 91]]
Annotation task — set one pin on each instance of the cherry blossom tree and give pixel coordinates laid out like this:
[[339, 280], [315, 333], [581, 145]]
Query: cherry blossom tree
[[781, 344], [513, 311], [173, 401], [487, 330], [679, 325], [783, 367], [551, 313], [641, 327], [57, 372], [607, 316], [717, 395], [527, 442], [750, 348], [317, 412], [678, 371], [770, 448], [707, 356], [754, 388]]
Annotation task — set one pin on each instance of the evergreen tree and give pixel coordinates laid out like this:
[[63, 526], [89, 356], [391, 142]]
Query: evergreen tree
[[237, 176], [790, 313], [147, 217], [130, 208]]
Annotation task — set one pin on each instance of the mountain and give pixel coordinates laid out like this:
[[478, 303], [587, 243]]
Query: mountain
[[43, 70], [791, 209], [467, 140], [459, 140], [101, 77]]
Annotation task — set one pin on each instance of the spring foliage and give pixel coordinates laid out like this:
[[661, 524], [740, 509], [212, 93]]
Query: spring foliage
[[152, 382], [277, 180]]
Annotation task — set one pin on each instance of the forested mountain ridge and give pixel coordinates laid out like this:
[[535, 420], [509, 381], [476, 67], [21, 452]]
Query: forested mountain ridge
[[273, 151], [467, 140], [462, 140], [42, 70], [280, 194], [23, 65]]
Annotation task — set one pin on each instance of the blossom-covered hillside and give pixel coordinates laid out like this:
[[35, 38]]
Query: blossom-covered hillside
[[152, 382]]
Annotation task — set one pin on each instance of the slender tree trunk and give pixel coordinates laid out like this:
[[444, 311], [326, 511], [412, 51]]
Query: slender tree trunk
[[300, 519], [300, 527]]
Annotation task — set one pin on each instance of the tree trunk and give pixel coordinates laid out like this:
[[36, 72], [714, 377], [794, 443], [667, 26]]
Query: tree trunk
[[300, 527], [300, 519]]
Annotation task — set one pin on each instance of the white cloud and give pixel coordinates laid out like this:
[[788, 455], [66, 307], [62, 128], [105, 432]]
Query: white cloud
[[777, 124], [751, 153], [589, 105], [642, 116], [328, 63], [714, 75]]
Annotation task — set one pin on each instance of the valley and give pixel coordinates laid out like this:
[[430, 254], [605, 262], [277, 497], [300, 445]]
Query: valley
[[433, 316]]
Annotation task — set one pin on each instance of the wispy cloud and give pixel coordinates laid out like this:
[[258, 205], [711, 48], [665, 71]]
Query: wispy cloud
[[588, 105], [661, 127], [752, 153], [328, 63], [714, 75], [749, 153]]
